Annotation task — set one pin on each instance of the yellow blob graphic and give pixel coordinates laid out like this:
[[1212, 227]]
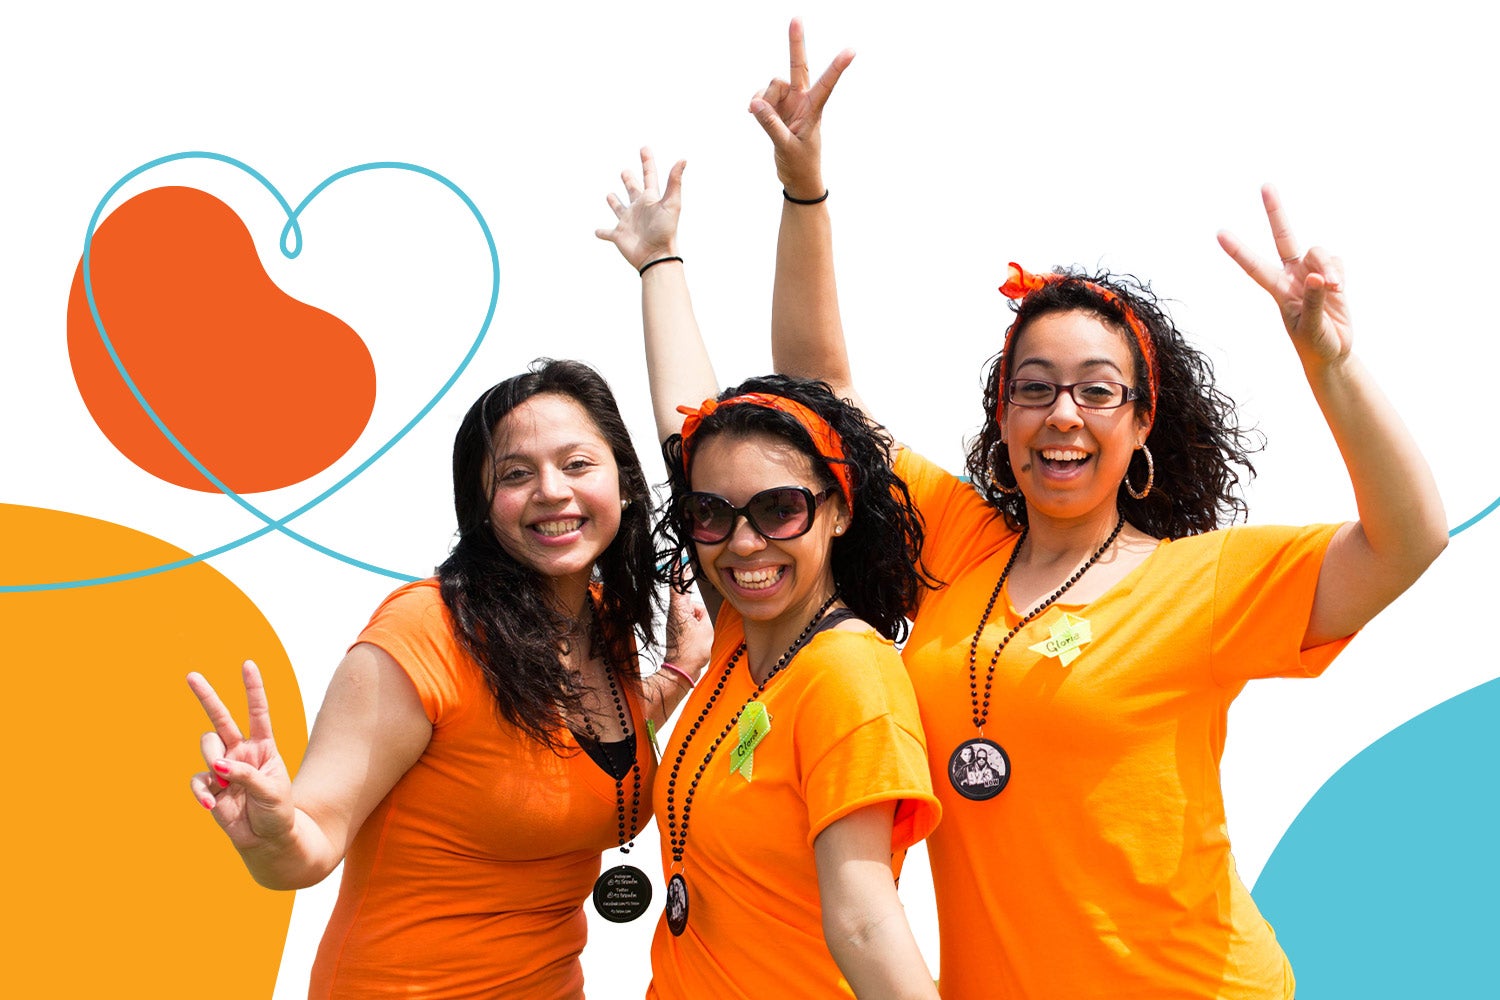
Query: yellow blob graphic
[[119, 883]]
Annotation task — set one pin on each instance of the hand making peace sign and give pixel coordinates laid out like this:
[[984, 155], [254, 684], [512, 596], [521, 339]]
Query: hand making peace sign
[[246, 785], [1308, 288], [791, 112]]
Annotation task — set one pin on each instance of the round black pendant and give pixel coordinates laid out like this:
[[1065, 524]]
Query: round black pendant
[[979, 769], [677, 904], [622, 893]]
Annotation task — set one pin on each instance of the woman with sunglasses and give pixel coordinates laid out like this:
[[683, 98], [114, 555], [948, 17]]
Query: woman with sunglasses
[[1097, 620], [481, 743], [796, 772]]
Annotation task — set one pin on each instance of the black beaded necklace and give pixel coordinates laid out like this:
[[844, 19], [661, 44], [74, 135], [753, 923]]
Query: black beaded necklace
[[677, 894], [623, 892], [970, 770]]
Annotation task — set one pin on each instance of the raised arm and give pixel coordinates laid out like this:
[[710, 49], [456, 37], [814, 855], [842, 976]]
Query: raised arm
[[677, 362], [1402, 526], [807, 335], [291, 834], [645, 233]]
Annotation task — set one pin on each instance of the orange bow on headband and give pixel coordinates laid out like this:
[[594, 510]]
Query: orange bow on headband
[[1020, 283], [825, 439]]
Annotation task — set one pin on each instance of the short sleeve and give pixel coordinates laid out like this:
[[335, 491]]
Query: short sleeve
[[413, 626], [1263, 592], [860, 739], [958, 525]]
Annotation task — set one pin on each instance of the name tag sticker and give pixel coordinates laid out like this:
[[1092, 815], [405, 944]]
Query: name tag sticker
[[1067, 635]]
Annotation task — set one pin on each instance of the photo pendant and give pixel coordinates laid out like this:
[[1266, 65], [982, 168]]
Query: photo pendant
[[622, 893], [677, 904], [979, 769]]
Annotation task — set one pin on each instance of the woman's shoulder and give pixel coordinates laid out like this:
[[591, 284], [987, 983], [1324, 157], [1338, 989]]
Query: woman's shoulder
[[957, 520], [860, 633], [1247, 541], [414, 609], [853, 655], [413, 625], [413, 596]]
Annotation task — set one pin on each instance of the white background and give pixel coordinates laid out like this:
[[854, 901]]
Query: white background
[[962, 137]]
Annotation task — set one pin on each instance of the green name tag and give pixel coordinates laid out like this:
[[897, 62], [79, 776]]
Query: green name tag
[[755, 723]]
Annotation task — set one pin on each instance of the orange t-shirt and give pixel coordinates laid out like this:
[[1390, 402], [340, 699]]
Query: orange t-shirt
[[1103, 867], [468, 878], [844, 735]]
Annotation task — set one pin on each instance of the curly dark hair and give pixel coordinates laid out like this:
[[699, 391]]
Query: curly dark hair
[[501, 613], [1196, 440], [876, 562]]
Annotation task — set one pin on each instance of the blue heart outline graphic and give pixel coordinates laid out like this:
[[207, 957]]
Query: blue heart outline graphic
[[292, 229]]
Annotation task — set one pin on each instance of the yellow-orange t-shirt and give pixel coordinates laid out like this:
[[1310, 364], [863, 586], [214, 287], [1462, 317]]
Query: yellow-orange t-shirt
[[844, 734], [468, 879], [1103, 867]]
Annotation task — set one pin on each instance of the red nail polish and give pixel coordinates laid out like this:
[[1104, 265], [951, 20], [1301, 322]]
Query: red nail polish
[[222, 782], [206, 803], [221, 766]]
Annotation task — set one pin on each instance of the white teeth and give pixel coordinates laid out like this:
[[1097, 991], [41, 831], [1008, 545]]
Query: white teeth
[[756, 579], [554, 528], [1064, 454]]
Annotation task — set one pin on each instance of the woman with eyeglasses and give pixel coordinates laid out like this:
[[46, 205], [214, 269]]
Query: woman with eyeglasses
[[1098, 619], [796, 773]]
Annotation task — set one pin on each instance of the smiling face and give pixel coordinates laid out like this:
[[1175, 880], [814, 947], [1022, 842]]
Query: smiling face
[[771, 583], [1069, 460], [556, 500]]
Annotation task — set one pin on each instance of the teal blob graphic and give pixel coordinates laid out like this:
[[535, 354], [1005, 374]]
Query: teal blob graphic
[[1388, 883]]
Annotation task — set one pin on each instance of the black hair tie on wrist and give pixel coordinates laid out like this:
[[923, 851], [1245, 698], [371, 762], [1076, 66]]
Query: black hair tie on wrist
[[660, 260], [805, 201]]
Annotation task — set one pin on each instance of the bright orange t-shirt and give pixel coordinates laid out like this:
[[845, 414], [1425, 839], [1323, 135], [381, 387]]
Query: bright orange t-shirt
[[844, 735], [468, 879], [1103, 868]]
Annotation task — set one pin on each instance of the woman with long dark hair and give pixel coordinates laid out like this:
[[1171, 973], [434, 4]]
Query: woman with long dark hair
[[796, 771], [483, 740], [1098, 617]]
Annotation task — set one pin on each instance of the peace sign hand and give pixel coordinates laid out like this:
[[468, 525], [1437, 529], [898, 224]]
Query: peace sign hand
[[246, 784], [646, 225], [791, 112], [1308, 288]]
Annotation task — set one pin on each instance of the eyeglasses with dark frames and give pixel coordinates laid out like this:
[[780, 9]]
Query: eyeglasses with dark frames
[[778, 514], [1095, 395]]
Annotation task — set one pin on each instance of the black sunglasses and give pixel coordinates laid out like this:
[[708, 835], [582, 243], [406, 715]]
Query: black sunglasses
[[779, 514]]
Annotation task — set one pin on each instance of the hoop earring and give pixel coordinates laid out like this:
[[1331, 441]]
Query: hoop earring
[[1145, 491], [994, 467]]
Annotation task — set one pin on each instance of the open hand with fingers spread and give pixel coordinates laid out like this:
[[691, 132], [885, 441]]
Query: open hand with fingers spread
[[1308, 288], [646, 225], [246, 784], [791, 112]]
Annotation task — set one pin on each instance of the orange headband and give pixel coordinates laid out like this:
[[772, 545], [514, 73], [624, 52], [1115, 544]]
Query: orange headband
[[825, 439], [1020, 283]]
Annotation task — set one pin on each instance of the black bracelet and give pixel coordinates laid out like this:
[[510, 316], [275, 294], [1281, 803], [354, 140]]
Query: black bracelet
[[806, 201], [660, 260]]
